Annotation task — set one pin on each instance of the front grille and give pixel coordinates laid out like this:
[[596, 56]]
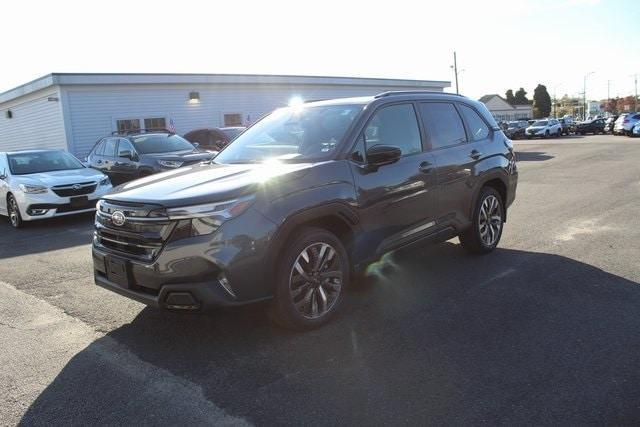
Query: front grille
[[143, 234], [71, 190]]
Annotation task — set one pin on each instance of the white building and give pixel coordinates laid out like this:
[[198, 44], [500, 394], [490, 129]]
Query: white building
[[503, 111], [72, 111]]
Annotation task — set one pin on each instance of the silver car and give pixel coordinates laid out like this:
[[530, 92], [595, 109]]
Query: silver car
[[42, 184], [625, 123]]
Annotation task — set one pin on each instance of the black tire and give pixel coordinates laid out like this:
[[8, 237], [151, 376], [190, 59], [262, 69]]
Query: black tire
[[283, 310], [13, 212], [472, 240]]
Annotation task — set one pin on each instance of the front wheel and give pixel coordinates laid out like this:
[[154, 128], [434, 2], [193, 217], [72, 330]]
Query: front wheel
[[14, 212], [487, 224], [311, 279]]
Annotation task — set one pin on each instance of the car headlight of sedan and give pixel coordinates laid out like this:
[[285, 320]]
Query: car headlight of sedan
[[170, 163], [33, 189], [206, 218], [105, 181]]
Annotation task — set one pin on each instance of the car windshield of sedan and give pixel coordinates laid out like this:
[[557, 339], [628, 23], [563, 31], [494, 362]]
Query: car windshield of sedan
[[293, 134], [540, 123], [513, 125], [151, 144], [42, 161]]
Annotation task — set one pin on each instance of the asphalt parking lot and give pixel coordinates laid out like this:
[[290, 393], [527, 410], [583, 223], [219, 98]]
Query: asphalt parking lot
[[546, 330]]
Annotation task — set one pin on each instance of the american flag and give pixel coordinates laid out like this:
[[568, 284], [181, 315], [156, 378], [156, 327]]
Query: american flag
[[172, 126]]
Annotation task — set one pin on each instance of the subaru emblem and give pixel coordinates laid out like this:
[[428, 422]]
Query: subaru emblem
[[118, 218], [77, 187]]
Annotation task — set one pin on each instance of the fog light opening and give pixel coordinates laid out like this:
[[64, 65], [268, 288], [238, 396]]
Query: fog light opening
[[37, 212]]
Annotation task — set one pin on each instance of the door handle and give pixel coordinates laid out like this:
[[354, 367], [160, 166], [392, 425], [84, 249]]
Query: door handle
[[475, 154], [425, 167]]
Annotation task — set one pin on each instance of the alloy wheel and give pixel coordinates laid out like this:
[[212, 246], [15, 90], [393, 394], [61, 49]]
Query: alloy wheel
[[490, 220], [13, 212], [315, 281]]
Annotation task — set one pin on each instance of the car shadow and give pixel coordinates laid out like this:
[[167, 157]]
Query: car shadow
[[429, 336], [45, 235], [532, 156]]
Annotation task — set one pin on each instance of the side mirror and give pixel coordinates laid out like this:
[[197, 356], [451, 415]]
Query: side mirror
[[127, 154], [196, 144], [380, 155], [213, 153], [3, 174]]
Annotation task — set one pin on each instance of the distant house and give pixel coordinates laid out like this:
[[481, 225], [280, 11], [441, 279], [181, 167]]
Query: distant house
[[503, 111]]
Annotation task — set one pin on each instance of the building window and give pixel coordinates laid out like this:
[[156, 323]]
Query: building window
[[233, 119], [128, 125], [155, 123]]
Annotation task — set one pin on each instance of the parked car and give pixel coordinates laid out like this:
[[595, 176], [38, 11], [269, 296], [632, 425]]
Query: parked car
[[304, 198], [544, 128], [213, 139], [568, 125], [594, 126], [136, 155], [609, 123], [625, 123], [43, 184], [515, 129]]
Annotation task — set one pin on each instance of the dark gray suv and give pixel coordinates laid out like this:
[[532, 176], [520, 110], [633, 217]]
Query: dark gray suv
[[304, 199], [126, 157]]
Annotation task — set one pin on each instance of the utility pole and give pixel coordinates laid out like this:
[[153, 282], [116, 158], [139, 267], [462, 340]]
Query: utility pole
[[584, 95], [555, 100], [635, 100], [455, 70]]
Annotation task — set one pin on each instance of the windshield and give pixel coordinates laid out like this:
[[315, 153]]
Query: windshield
[[149, 144], [42, 161], [540, 123], [294, 134], [513, 125], [232, 132]]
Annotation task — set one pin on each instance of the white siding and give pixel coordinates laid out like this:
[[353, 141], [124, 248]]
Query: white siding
[[92, 111], [37, 122]]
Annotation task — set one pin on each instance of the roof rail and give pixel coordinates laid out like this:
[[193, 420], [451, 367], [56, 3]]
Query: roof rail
[[412, 92], [140, 131]]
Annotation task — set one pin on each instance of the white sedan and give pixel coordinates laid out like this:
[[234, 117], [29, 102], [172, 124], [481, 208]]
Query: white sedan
[[544, 129], [42, 184]]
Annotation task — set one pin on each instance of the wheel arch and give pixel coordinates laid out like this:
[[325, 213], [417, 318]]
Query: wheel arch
[[337, 218], [497, 182]]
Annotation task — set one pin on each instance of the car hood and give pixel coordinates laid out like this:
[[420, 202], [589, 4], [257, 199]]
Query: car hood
[[204, 183], [52, 178], [181, 156], [536, 127]]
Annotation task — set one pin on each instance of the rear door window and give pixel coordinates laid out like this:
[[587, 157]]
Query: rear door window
[[477, 127], [443, 124]]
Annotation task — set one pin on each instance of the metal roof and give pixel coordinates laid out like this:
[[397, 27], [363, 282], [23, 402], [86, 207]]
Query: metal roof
[[65, 79]]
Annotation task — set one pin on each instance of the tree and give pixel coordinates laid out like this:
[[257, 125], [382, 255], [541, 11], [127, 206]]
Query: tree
[[611, 106], [521, 97], [541, 102], [510, 98]]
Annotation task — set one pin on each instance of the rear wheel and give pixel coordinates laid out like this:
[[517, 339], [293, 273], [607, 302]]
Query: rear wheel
[[311, 279], [14, 212], [488, 220]]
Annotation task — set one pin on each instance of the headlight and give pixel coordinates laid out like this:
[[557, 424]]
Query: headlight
[[205, 219], [105, 181], [170, 164], [33, 189]]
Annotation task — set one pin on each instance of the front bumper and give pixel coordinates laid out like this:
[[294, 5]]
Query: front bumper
[[54, 205], [225, 268]]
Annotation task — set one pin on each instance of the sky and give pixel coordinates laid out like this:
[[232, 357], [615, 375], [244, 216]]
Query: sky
[[500, 44]]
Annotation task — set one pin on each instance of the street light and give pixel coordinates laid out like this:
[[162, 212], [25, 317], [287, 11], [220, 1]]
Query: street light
[[555, 116], [584, 94]]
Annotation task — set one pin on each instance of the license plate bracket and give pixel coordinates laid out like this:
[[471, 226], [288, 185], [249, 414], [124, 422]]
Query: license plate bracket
[[79, 201], [117, 271]]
